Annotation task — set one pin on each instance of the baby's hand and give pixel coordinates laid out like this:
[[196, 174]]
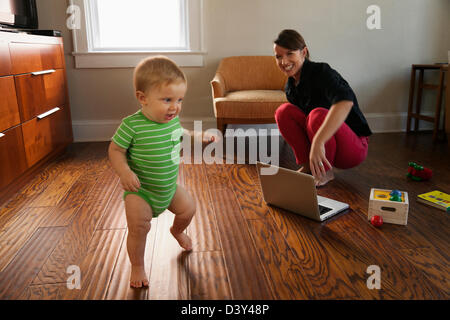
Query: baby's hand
[[208, 138], [130, 181]]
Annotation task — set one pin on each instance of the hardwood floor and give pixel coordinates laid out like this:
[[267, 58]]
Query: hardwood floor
[[72, 213]]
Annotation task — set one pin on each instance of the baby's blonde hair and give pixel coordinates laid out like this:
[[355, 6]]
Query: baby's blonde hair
[[156, 71]]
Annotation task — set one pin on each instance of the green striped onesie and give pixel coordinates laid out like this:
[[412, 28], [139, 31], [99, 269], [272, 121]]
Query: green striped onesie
[[153, 153]]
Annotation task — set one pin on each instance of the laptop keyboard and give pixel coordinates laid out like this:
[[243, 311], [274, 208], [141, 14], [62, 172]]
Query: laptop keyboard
[[323, 210]]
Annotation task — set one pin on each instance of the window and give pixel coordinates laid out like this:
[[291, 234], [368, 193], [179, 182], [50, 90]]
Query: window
[[118, 33], [138, 25]]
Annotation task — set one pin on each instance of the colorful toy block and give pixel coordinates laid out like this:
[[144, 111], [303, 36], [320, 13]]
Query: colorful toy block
[[391, 205], [418, 173]]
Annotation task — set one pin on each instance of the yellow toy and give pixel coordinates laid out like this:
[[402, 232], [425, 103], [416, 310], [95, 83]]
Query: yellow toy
[[391, 205]]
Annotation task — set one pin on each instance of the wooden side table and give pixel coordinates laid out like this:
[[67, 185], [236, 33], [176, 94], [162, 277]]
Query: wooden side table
[[447, 109], [442, 68]]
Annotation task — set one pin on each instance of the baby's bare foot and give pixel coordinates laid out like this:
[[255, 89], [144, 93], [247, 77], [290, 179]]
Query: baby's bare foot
[[138, 277], [183, 239]]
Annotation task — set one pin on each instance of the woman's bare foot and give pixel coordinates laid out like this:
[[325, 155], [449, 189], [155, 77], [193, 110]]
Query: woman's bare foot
[[138, 277], [329, 175], [183, 239]]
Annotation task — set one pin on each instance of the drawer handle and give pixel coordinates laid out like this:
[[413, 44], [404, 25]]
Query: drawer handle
[[42, 116], [1, 135], [39, 73]]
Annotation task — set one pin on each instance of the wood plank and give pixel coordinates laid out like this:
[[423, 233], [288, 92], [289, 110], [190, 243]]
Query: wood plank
[[396, 179], [333, 255], [114, 216], [324, 273], [11, 209], [208, 279], [218, 175], [245, 270], [432, 266], [43, 292], [97, 266], [253, 174], [19, 232], [16, 277], [78, 157], [248, 194], [203, 228], [119, 287], [354, 260], [425, 225], [73, 200], [280, 263], [403, 235], [168, 274], [58, 189], [286, 275], [72, 247], [375, 248], [310, 261]]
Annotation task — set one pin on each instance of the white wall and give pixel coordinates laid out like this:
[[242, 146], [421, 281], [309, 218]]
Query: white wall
[[375, 63]]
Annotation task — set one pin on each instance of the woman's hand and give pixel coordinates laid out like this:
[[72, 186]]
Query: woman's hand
[[130, 181], [318, 161]]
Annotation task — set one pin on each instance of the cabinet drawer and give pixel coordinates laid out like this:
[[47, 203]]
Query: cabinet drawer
[[27, 57], [39, 93], [9, 109], [41, 136], [5, 62], [12, 155]]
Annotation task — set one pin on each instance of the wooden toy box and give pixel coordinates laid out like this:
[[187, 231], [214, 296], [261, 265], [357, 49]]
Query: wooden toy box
[[395, 212]]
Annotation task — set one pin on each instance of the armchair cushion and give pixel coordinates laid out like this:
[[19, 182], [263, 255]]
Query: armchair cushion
[[257, 96], [249, 104]]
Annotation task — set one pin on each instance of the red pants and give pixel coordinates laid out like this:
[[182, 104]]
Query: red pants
[[344, 150]]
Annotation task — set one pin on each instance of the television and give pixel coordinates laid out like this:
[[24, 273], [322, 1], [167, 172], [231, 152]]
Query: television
[[18, 14]]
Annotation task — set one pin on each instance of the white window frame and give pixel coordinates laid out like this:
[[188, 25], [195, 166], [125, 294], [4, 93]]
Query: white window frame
[[192, 56]]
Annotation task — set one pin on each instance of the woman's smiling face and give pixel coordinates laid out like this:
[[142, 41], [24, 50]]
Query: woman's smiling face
[[290, 61]]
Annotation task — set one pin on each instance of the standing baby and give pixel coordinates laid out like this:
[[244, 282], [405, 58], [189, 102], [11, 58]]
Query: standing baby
[[145, 153]]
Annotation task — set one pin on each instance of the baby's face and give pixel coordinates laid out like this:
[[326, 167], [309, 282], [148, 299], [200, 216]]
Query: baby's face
[[163, 104]]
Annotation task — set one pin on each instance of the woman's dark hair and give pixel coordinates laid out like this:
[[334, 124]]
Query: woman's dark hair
[[292, 40]]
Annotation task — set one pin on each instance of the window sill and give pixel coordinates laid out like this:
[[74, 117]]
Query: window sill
[[119, 59]]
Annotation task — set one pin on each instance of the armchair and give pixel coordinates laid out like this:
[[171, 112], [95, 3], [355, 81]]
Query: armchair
[[247, 90]]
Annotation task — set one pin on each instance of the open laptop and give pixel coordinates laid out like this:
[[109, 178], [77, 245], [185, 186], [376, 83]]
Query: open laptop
[[296, 192]]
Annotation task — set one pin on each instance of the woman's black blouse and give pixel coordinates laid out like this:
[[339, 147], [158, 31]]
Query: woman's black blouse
[[322, 86]]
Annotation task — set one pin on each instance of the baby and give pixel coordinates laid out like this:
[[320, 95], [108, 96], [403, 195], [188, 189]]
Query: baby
[[145, 153]]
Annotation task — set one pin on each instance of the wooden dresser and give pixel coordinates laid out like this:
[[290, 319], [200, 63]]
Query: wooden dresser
[[35, 121]]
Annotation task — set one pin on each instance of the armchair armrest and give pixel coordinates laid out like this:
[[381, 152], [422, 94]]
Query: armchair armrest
[[218, 86]]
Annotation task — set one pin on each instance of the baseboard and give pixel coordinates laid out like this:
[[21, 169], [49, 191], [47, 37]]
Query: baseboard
[[103, 130], [393, 122]]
